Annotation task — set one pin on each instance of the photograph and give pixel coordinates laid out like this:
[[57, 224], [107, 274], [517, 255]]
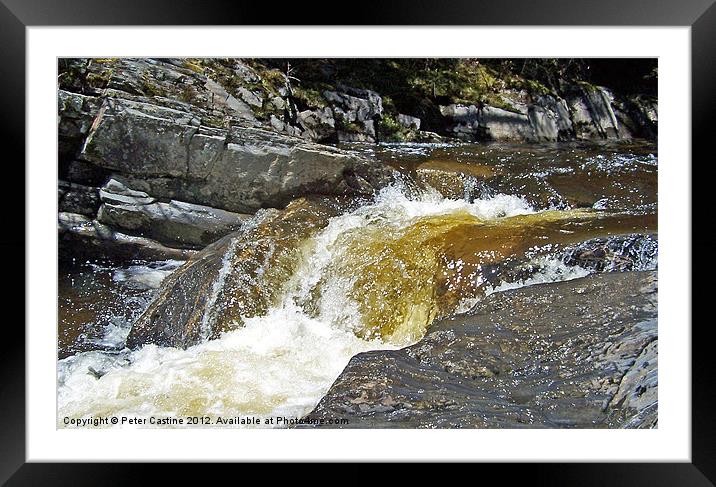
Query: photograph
[[357, 242]]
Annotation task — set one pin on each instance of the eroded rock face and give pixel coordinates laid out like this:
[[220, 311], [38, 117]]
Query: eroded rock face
[[587, 112], [169, 154], [238, 276], [579, 354]]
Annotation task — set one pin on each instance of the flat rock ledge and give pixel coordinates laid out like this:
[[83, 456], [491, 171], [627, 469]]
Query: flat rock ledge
[[82, 237], [574, 354], [171, 154]]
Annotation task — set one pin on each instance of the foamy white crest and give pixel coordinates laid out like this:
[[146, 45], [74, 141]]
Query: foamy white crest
[[393, 205]]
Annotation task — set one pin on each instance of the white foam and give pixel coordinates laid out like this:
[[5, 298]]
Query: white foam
[[278, 364]]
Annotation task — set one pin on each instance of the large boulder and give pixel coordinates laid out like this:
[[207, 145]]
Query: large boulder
[[169, 154], [236, 277], [517, 360]]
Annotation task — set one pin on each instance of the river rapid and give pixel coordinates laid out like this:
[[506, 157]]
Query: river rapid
[[460, 222]]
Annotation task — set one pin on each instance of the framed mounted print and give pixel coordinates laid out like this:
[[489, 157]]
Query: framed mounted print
[[468, 238]]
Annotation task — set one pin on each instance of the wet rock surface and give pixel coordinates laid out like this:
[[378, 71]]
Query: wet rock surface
[[236, 277], [574, 354]]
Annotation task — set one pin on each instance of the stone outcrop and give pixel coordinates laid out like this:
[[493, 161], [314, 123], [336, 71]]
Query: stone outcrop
[[175, 155], [191, 157], [518, 360], [168, 153], [587, 112]]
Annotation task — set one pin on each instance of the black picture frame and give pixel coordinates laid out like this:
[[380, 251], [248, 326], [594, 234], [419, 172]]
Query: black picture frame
[[16, 15]]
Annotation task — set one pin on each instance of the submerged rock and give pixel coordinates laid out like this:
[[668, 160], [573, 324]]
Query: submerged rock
[[623, 253], [455, 180], [578, 354]]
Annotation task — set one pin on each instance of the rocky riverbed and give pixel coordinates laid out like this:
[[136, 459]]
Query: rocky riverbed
[[234, 243]]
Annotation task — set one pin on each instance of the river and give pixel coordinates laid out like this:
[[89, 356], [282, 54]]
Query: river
[[460, 222]]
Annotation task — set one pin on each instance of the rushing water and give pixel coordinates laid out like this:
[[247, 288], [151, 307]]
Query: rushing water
[[463, 221]]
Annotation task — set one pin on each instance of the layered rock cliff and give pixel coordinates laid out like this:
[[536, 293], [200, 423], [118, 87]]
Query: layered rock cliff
[[140, 172]]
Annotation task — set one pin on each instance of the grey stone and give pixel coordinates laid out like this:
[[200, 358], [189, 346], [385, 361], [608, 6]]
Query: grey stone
[[161, 152], [543, 123], [77, 198], [317, 124], [516, 361], [473, 123], [559, 111], [251, 97], [224, 99], [80, 236], [116, 192], [360, 105], [409, 122], [599, 101], [278, 102], [175, 223], [504, 125], [277, 124]]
